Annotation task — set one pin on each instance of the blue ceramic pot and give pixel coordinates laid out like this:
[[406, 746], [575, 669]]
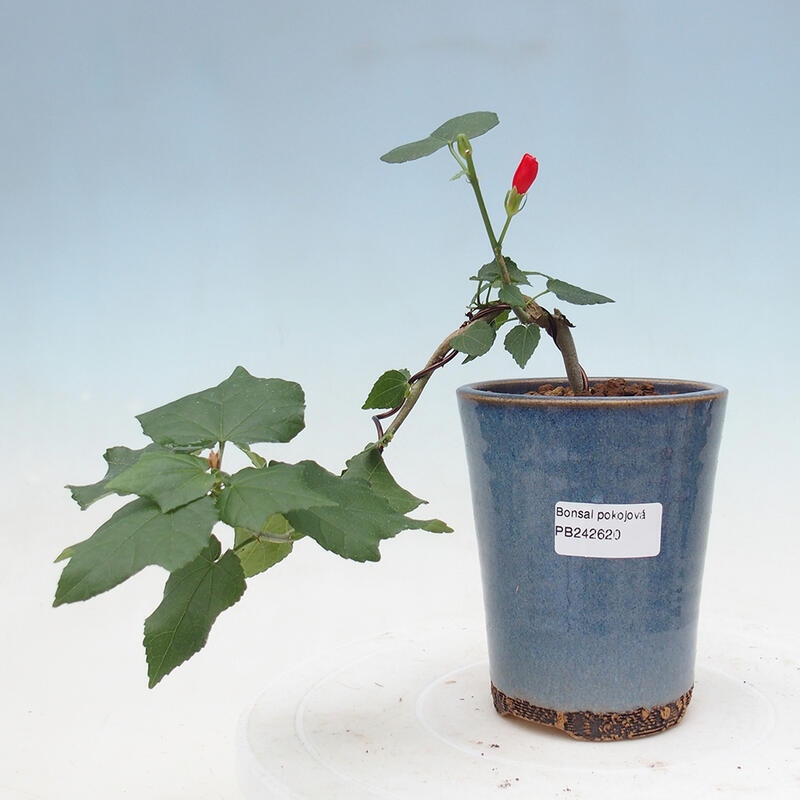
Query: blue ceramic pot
[[592, 519]]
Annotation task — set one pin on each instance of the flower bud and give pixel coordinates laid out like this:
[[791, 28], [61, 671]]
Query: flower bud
[[464, 146], [526, 174]]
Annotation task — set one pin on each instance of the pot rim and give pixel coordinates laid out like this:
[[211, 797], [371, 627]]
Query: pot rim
[[512, 391]]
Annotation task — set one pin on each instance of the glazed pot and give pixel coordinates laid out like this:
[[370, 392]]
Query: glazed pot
[[592, 519]]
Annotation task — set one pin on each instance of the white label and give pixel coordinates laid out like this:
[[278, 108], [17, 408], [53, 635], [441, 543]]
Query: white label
[[608, 530]]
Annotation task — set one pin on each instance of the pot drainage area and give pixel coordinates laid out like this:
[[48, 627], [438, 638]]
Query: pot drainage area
[[411, 716]]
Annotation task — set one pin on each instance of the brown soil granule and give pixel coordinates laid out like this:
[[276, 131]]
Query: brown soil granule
[[613, 387]]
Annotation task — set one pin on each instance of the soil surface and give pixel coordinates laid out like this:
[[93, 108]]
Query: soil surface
[[613, 387]]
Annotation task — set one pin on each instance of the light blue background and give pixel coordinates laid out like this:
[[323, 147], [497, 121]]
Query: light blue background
[[188, 186]]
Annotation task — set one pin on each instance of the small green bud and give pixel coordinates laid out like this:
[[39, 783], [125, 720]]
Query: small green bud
[[464, 146]]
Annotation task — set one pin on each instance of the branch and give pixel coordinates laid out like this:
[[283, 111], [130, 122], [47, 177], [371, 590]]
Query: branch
[[576, 376], [555, 324], [443, 354], [558, 327]]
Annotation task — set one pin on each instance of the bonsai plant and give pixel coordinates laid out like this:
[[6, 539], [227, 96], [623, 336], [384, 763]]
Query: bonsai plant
[[182, 491]]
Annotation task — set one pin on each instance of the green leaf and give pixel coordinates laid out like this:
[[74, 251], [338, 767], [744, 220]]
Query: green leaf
[[369, 466], [170, 479], [136, 536], [389, 390], [412, 151], [491, 272], [360, 519], [118, 460], [275, 529], [252, 496], [515, 273], [474, 124], [65, 553], [512, 295], [471, 125], [432, 526], [242, 409], [258, 555], [255, 459], [477, 339], [500, 320], [574, 294], [521, 341], [195, 595]]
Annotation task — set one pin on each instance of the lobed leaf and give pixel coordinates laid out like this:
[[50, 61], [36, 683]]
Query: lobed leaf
[[242, 409], [474, 124], [389, 391], [360, 519], [521, 341], [477, 339], [118, 460], [137, 535], [168, 478], [194, 596], [252, 496], [369, 466]]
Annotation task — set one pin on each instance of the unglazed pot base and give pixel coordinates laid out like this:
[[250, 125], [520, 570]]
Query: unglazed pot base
[[589, 726]]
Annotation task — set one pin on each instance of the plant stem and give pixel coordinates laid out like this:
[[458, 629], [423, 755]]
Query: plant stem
[[439, 357], [503, 232], [566, 345], [556, 324], [558, 327], [472, 177]]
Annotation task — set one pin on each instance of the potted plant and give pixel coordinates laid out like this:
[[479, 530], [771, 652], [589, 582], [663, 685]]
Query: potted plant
[[591, 501]]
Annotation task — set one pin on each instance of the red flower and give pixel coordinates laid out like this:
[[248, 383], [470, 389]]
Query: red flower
[[526, 173]]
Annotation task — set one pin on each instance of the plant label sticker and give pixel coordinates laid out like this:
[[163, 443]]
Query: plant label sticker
[[608, 530]]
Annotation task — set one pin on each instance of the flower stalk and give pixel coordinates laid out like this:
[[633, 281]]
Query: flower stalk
[[556, 324]]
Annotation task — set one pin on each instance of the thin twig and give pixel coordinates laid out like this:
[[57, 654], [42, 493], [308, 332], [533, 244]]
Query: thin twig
[[443, 355]]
